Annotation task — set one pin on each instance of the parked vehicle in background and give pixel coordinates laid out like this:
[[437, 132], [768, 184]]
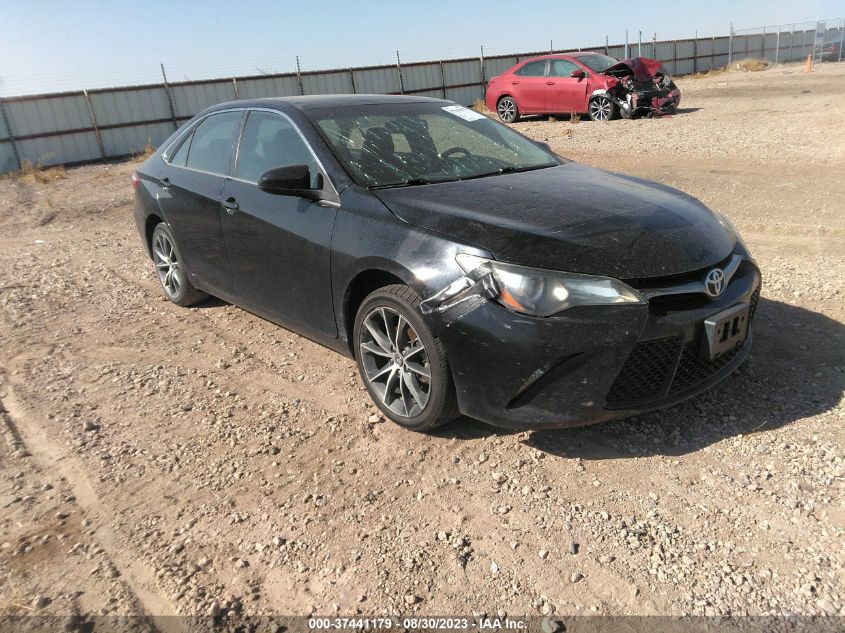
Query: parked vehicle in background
[[583, 83], [829, 51], [464, 266]]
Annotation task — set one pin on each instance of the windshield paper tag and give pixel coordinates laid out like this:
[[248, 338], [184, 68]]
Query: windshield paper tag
[[465, 113]]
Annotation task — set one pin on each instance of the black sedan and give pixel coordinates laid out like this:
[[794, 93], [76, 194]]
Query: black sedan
[[466, 268]]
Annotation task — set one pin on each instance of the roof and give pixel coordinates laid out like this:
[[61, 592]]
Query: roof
[[310, 102]]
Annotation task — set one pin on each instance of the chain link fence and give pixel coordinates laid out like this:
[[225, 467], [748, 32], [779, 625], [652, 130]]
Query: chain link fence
[[783, 43]]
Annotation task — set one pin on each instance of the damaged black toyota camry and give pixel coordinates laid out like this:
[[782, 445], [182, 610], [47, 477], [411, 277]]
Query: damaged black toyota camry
[[466, 268]]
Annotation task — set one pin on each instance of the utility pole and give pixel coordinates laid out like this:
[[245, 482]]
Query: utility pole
[[640, 44], [626, 44]]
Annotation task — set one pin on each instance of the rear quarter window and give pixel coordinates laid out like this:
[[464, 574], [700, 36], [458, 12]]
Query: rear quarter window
[[211, 143]]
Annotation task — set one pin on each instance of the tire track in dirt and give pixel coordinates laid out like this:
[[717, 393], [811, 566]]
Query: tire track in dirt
[[48, 456]]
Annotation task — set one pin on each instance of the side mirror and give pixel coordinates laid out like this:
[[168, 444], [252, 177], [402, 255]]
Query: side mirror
[[545, 146], [577, 74], [289, 180]]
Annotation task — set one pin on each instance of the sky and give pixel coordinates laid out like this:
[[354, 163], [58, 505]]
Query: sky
[[55, 45]]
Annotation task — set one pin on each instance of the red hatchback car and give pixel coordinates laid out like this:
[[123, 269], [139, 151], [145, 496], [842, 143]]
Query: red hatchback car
[[590, 83]]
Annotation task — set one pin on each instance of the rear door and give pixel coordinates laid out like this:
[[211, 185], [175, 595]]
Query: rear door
[[528, 86], [565, 93], [190, 199], [279, 245]]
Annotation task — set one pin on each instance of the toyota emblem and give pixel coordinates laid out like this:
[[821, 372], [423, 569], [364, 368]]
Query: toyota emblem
[[715, 283]]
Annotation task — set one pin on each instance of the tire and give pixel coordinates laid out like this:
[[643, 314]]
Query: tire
[[171, 271], [400, 387], [601, 108], [507, 109]]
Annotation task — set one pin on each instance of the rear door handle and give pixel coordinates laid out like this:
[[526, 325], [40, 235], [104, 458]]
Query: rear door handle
[[550, 83], [165, 183], [231, 205], [514, 83]]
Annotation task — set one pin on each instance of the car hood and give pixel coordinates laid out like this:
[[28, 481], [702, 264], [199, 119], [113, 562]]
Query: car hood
[[643, 68], [572, 218]]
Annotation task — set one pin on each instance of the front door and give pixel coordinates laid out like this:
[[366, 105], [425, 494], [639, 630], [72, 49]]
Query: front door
[[279, 245], [565, 93]]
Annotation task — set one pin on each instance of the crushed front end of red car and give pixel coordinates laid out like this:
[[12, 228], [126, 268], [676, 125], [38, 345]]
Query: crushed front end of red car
[[642, 88]]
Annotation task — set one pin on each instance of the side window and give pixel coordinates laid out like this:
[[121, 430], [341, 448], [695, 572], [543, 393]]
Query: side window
[[562, 68], [270, 140], [533, 69], [180, 158], [211, 143]]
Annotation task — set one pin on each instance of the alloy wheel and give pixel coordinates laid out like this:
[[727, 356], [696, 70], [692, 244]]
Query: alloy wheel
[[506, 109], [167, 265], [600, 109], [395, 362]]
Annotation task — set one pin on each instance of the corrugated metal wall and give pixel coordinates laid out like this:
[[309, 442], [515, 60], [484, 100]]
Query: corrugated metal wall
[[77, 127]]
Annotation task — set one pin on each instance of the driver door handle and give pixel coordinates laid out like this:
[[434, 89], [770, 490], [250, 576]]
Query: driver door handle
[[515, 83], [231, 205], [550, 83]]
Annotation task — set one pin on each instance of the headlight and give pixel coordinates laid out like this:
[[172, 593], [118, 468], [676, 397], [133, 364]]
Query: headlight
[[546, 292]]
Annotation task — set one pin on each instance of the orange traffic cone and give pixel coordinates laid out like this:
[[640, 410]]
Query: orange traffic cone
[[808, 65]]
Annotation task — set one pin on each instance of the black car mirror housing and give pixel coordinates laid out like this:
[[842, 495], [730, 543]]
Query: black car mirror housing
[[289, 180]]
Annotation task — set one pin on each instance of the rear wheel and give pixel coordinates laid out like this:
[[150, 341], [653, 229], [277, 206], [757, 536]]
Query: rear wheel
[[171, 270], [403, 365], [507, 110], [601, 108]]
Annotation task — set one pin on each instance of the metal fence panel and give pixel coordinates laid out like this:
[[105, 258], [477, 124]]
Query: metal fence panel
[[665, 51], [462, 72], [421, 76], [435, 94], [188, 99], [128, 106], [261, 87], [377, 80], [497, 65], [61, 148], [7, 158], [4, 132], [617, 51], [464, 96], [686, 62], [327, 83], [48, 114], [133, 139]]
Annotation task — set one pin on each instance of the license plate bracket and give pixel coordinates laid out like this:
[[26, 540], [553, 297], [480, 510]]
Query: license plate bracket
[[725, 330]]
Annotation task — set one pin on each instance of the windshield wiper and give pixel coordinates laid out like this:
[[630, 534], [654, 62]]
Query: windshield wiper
[[510, 169], [411, 182]]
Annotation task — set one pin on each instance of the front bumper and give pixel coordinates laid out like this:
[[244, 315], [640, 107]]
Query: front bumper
[[589, 364]]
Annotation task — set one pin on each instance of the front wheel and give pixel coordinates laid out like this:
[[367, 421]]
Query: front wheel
[[403, 365], [507, 110], [601, 108]]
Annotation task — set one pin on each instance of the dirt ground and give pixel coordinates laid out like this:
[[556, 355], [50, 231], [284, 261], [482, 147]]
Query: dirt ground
[[203, 461]]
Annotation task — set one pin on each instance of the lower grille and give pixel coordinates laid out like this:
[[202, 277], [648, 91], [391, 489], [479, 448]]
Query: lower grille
[[650, 367], [645, 372], [694, 368]]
